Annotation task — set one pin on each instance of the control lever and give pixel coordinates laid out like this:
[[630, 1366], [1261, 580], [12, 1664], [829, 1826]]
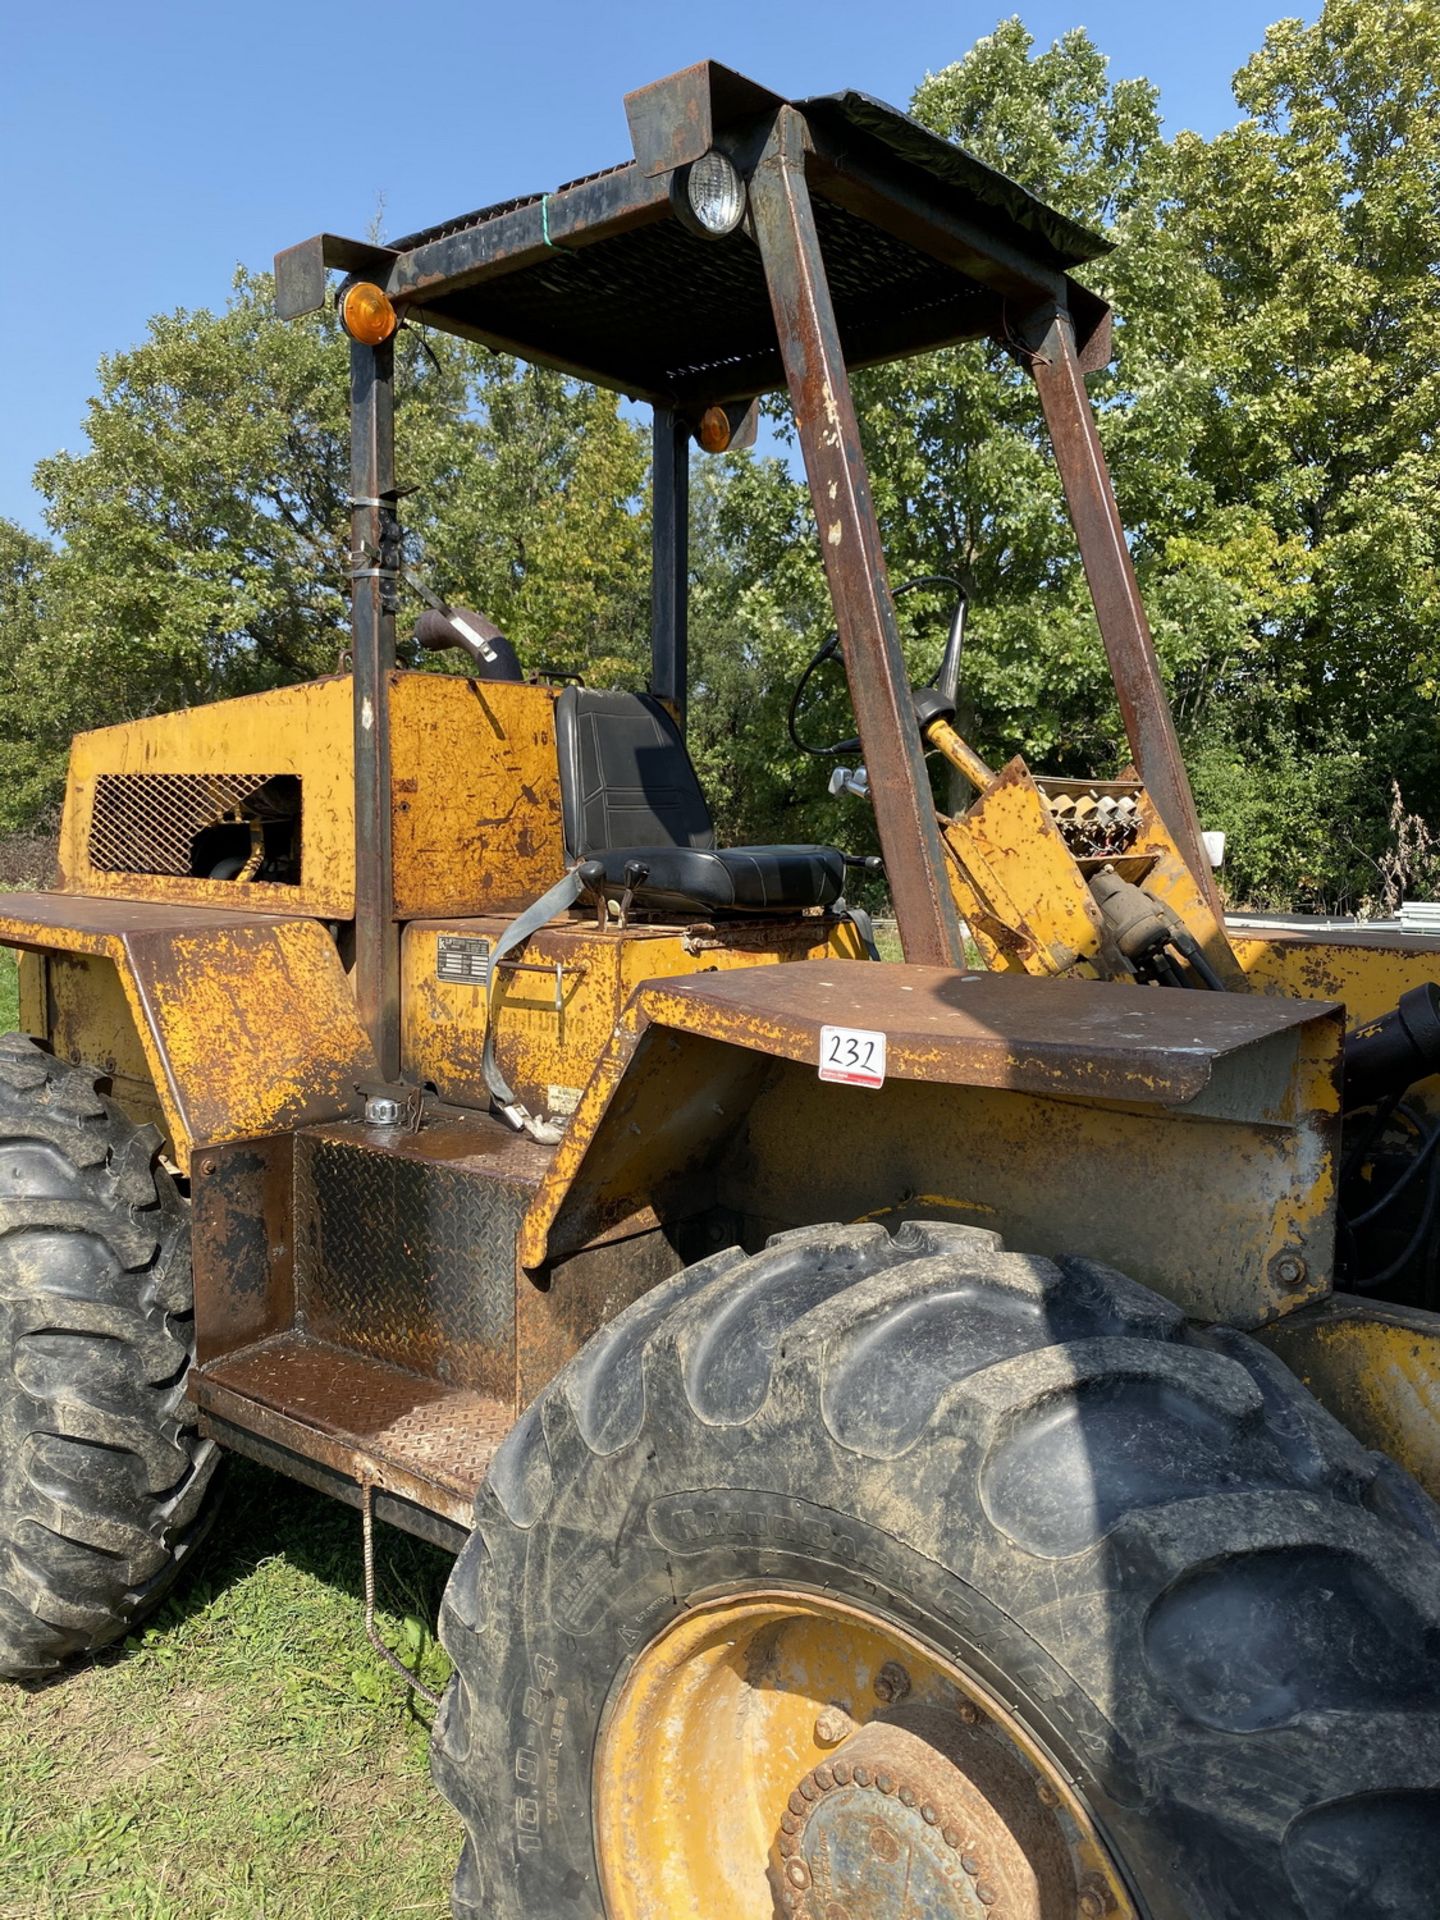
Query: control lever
[[857, 784], [591, 875], [871, 862], [636, 874]]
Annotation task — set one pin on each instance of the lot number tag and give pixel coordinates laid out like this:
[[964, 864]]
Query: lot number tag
[[855, 1056]]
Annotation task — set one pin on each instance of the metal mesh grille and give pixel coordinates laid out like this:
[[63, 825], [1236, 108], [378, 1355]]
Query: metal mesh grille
[[483, 215], [147, 822]]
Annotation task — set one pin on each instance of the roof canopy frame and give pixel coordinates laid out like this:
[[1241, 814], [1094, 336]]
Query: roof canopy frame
[[928, 247]]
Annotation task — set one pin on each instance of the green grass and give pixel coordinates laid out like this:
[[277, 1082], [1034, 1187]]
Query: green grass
[[9, 991], [247, 1755]]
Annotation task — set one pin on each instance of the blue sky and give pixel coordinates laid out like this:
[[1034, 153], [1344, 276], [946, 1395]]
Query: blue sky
[[146, 148]]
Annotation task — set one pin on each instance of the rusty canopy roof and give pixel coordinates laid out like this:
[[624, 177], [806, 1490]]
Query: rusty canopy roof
[[923, 245]]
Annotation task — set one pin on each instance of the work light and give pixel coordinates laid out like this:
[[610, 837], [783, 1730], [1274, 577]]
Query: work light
[[711, 199]]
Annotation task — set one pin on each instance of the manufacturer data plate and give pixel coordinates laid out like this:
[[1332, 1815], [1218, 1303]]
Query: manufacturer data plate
[[855, 1056], [460, 956]]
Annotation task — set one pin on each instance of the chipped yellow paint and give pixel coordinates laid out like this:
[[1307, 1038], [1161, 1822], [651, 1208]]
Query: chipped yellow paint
[[1026, 898], [305, 731], [476, 789], [1017, 885], [1235, 1169], [961, 755], [548, 1053], [1376, 1367], [244, 1028], [258, 1027], [717, 1725], [475, 793], [87, 1017], [1366, 973], [34, 1017]]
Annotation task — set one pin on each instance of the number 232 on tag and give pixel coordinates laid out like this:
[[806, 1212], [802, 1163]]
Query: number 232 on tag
[[855, 1056]]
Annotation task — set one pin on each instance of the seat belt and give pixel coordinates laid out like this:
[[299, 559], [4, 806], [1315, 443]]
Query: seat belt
[[565, 892], [862, 924]]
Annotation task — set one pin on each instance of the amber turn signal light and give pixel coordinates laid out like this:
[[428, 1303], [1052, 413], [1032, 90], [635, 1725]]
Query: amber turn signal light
[[714, 434], [367, 315]]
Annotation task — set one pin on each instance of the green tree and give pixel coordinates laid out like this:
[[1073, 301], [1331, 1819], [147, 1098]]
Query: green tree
[[1318, 219], [963, 477], [32, 746], [1270, 422], [545, 521], [202, 536]]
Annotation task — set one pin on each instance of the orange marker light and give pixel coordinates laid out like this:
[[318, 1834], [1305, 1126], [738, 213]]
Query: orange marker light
[[367, 315], [714, 435]]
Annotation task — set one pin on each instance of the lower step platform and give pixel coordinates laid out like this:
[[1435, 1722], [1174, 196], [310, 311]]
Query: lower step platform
[[339, 1419]]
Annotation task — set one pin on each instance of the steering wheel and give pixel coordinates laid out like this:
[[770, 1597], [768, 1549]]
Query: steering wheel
[[945, 677]]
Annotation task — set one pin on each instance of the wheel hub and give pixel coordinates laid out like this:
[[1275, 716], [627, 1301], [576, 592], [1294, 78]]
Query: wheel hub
[[904, 1821], [775, 1753]]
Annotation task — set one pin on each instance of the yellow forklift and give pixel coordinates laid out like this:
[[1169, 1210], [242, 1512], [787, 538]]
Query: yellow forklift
[[856, 1394]]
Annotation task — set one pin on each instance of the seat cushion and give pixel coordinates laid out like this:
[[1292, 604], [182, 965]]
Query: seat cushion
[[730, 879], [625, 775]]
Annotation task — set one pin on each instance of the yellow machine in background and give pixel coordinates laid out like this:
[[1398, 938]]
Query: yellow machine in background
[[849, 1389]]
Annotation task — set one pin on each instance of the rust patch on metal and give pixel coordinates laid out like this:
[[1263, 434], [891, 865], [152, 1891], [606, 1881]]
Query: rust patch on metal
[[924, 1804], [1084, 1038], [579, 1296], [405, 1243], [247, 1020], [243, 1243], [415, 1438]]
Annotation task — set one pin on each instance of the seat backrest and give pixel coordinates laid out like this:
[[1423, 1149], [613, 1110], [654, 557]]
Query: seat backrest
[[625, 775]]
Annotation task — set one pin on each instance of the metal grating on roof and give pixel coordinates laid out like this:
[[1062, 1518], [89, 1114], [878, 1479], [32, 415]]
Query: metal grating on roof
[[462, 222], [659, 306]]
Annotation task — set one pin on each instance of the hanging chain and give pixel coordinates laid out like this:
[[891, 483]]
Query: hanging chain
[[372, 1632]]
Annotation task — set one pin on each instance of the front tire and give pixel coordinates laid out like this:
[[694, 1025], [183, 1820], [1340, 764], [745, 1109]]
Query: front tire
[[103, 1475], [1188, 1600]]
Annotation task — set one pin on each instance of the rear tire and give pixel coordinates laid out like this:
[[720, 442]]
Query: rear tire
[[1191, 1589], [103, 1475]]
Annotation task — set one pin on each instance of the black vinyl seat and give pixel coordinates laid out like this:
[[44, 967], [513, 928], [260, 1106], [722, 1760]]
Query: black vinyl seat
[[630, 797]]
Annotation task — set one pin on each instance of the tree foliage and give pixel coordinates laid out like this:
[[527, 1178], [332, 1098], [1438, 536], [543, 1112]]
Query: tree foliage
[[1270, 418], [202, 535], [1318, 219]]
